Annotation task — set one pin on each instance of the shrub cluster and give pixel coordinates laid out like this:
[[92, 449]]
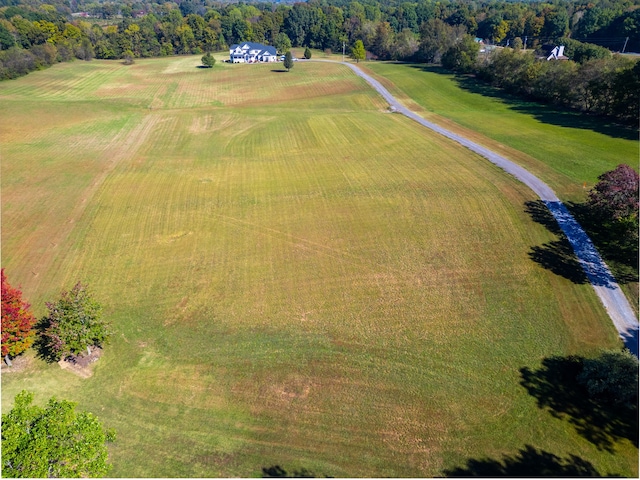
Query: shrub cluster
[[604, 86]]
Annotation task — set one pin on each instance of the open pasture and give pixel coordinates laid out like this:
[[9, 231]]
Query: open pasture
[[295, 277], [565, 149]]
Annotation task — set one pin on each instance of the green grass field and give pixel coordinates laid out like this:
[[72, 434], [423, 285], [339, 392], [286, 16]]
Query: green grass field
[[568, 150], [565, 149], [295, 277]]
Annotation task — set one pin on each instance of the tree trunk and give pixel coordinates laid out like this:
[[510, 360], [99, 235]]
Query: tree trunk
[[7, 360], [88, 350]]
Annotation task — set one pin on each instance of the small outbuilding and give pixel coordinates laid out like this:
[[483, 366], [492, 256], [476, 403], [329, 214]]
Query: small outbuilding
[[557, 53]]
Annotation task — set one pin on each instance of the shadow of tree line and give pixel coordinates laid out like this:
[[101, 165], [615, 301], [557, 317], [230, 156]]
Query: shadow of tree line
[[528, 462], [556, 389], [544, 113], [556, 386], [558, 256], [276, 471]]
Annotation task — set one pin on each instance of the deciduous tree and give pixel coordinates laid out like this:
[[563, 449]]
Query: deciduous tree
[[613, 202], [462, 57], [616, 193], [54, 441], [612, 377], [358, 52], [17, 321], [436, 38], [282, 42], [72, 326], [517, 43]]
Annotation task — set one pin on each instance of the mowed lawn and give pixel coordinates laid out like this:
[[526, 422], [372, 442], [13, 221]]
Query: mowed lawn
[[294, 276], [568, 150]]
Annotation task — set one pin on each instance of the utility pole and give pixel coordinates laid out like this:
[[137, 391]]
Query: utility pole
[[625, 44], [525, 43], [343, 45]]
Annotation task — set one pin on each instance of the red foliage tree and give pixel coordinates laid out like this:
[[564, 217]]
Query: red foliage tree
[[616, 193], [17, 321]]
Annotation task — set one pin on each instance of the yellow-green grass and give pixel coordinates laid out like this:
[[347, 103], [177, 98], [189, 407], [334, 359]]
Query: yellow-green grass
[[294, 276], [565, 149]]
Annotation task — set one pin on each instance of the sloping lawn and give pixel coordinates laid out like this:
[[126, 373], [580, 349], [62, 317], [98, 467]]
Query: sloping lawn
[[295, 277]]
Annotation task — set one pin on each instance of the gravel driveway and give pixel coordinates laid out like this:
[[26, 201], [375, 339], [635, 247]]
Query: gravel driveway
[[605, 285]]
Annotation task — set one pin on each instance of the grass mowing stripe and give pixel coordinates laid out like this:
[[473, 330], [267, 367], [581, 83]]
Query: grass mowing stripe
[[567, 150], [291, 286], [564, 144]]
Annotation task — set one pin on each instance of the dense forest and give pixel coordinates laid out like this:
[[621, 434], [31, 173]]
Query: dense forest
[[35, 34]]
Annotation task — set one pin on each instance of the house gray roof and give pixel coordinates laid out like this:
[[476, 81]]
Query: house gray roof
[[249, 46]]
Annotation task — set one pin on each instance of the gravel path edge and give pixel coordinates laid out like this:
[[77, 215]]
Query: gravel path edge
[[601, 278]]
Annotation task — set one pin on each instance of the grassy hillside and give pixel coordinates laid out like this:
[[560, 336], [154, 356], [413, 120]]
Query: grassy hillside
[[565, 149], [568, 150], [294, 276]]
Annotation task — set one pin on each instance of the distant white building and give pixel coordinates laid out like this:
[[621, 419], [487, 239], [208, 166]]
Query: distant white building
[[248, 52], [558, 54]]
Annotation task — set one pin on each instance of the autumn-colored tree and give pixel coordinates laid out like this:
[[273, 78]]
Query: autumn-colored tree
[[72, 326], [616, 193], [17, 321], [613, 205]]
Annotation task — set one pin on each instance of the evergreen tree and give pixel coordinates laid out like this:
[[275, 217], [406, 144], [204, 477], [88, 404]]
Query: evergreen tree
[[288, 61], [208, 60]]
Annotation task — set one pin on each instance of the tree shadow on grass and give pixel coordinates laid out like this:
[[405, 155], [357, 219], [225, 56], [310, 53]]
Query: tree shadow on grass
[[528, 462], [556, 389], [279, 70], [573, 119], [544, 113], [558, 255], [539, 213], [276, 471], [42, 348], [617, 247]]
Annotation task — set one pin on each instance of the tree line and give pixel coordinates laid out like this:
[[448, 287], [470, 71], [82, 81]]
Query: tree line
[[389, 30], [35, 35], [600, 83]]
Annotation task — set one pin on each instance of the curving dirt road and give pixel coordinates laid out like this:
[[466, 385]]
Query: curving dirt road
[[605, 285]]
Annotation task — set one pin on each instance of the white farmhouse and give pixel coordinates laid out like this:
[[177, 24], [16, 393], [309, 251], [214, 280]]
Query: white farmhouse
[[248, 52]]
